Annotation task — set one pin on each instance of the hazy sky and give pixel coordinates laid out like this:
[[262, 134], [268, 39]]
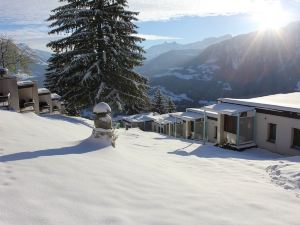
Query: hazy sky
[[159, 20]]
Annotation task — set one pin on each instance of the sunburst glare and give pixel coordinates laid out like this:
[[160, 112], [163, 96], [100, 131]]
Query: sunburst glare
[[271, 16]]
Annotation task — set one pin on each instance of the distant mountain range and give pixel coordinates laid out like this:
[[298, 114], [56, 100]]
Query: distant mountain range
[[157, 50], [168, 55], [254, 64]]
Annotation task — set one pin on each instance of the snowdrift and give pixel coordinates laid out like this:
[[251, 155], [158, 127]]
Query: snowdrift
[[53, 172]]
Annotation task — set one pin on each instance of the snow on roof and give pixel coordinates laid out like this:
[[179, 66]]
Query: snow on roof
[[102, 107], [25, 83], [188, 115], [228, 109], [165, 119], [201, 110], [143, 117], [43, 91], [283, 102], [55, 96]]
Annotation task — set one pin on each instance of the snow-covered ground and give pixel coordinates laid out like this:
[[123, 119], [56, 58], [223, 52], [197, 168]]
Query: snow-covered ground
[[53, 172]]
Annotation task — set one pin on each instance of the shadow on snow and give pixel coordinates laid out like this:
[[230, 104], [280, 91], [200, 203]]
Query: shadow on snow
[[209, 151], [88, 145], [73, 120]]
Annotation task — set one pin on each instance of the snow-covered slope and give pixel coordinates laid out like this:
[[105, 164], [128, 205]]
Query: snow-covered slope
[[53, 172]]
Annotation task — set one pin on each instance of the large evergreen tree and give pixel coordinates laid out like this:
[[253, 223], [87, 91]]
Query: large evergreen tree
[[95, 60]]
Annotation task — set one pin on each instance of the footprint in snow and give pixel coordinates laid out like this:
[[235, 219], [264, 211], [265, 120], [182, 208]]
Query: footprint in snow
[[6, 184], [9, 178], [12, 178]]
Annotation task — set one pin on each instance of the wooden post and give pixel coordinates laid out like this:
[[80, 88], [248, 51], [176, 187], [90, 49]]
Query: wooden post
[[238, 131], [194, 135], [254, 126], [186, 129], [204, 128], [175, 127]]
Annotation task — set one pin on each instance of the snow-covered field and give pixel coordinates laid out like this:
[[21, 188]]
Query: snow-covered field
[[53, 172]]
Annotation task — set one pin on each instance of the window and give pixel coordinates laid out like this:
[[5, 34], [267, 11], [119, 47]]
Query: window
[[244, 114], [216, 132], [272, 133], [192, 126], [212, 118], [230, 124], [296, 138]]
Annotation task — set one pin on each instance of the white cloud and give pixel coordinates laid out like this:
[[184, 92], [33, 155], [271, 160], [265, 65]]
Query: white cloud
[[153, 37], [35, 36], [37, 11], [25, 19], [26, 11], [167, 9]]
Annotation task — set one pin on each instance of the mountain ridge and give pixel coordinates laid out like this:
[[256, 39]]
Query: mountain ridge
[[169, 55], [39, 65], [159, 49], [248, 65]]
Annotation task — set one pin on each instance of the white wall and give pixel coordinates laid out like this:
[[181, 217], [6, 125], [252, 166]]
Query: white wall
[[284, 135], [211, 124], [30, 93]]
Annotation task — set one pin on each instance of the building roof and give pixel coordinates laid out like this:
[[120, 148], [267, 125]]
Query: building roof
[[228, 109], [201, 110], [165, 119], [25, 83], [43, 91], [188, 115], [138, 118], [283, 102]]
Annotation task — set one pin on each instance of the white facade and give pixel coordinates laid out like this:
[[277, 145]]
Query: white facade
[[284, 133], [28, 96], [282, 112]]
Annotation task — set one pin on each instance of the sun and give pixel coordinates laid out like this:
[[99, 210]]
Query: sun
[[271, 17]]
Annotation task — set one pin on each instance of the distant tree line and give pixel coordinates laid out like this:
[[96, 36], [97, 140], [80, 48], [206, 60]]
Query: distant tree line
[[162, 104]]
